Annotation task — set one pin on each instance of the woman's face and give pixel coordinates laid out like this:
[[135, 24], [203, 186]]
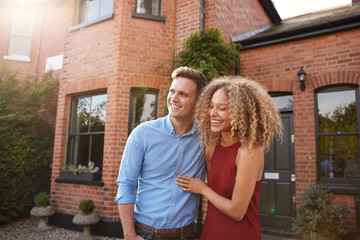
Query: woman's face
[[219, 112]]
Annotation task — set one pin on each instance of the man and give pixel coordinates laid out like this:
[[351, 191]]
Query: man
[[157, 152]]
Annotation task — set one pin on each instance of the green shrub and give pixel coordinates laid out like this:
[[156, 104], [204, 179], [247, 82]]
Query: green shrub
[[207, 52], [26, 139], [86, 206], [41, 199], [315, 214]]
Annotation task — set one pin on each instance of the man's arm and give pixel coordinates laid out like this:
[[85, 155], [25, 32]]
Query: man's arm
[[126, 212], [127, 181]]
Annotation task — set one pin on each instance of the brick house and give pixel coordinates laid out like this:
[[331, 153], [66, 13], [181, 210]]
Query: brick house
[[105, 52], [27, 36], [326, 45]]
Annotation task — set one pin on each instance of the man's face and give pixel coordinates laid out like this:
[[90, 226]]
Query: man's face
[[181, 98]]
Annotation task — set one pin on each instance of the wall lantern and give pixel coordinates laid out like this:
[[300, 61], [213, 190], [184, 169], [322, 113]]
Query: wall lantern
[[301, 74]]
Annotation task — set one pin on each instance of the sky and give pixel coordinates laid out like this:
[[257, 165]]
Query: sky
[[291, 8]]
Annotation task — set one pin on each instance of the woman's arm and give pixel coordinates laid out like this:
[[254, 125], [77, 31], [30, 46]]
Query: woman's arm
[[250, 164]]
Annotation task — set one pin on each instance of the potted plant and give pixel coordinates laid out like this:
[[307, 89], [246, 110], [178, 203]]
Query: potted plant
[[42, 210], [86, 218], [317, 218], [84, 173]]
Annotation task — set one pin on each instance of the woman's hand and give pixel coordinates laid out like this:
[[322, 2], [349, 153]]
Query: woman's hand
[[189, 184]]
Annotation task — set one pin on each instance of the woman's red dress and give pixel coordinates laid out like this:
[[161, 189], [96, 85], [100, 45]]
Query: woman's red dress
[[221, 179]]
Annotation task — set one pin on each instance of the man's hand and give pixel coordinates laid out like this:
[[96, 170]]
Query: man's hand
[[126, 212], [135, 237]]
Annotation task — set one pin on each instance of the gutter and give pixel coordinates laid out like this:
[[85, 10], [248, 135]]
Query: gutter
[[340, 25]]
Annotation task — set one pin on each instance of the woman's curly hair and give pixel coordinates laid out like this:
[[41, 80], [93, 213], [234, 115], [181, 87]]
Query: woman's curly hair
[[254, 117]]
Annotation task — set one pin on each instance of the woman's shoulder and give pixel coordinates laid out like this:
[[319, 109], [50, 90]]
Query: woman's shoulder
[[254, 152]]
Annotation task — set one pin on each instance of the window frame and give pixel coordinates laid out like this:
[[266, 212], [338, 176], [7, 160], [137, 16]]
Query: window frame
[[147, 16], [72, 134], [135, 90], [349, 186], [81, 25], [15, 57]]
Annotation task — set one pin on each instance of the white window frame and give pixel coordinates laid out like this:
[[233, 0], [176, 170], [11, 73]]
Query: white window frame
[[11, 55], [84, 11]]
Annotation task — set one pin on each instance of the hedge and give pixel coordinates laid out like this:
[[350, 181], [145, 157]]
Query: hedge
[[27, 109]]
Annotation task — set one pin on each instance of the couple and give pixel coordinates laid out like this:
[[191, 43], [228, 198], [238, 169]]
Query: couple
[[164, 160]]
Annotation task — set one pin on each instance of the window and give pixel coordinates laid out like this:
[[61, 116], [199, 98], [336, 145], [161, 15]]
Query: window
[[283, 101], [91, 10], [143, 106], [86, 133], [149, 9], [338, 137], [20, 39]]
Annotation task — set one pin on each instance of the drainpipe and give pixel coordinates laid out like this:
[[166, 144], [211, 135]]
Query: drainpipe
[[238, 65], [201, 15]]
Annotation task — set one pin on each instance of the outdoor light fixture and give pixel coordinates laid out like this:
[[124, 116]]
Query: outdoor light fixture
[[301, 74]]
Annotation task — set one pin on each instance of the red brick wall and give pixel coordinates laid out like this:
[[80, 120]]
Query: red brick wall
[[7, 9], [187, 21], [53, 33], [113, 55], [327, 60], [234, 17], [47, 37]]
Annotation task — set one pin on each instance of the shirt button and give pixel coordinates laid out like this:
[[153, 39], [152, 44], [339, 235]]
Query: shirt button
[[172, 205]]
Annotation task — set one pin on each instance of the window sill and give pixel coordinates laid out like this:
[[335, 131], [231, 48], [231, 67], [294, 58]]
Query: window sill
[[82, 182], [148, 17], [18, 58], [341, 185], [89, 23]]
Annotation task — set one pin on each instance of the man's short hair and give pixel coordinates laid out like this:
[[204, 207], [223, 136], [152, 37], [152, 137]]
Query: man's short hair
[[192, 74]]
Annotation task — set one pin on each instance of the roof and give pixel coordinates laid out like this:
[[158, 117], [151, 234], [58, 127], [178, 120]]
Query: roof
[[303, 26]]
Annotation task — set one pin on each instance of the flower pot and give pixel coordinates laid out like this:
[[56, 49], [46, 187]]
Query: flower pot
[[42, 213], [85, 176], [86, 220]]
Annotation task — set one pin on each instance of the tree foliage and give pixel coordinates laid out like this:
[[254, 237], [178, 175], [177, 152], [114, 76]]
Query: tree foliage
[[26, 138], [207, 52]]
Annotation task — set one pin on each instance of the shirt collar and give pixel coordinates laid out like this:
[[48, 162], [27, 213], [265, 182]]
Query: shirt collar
[[171, 129]]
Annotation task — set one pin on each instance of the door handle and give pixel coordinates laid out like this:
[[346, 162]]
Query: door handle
[[293, 177]]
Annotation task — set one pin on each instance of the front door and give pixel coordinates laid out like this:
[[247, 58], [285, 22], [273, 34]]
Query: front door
[[277, 201]]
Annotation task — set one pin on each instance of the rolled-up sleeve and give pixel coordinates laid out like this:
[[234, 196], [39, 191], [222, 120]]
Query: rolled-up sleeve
[[130, 168]]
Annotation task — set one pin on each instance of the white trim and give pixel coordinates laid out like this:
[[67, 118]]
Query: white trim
[[18, 58]]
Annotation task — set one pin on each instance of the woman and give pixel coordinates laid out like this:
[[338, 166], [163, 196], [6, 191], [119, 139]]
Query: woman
[[238, 120]]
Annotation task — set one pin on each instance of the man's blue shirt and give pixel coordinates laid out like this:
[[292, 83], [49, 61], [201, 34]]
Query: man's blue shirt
[[154, 156]]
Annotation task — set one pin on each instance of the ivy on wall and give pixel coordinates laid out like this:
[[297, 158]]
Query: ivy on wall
[[207, 52]]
